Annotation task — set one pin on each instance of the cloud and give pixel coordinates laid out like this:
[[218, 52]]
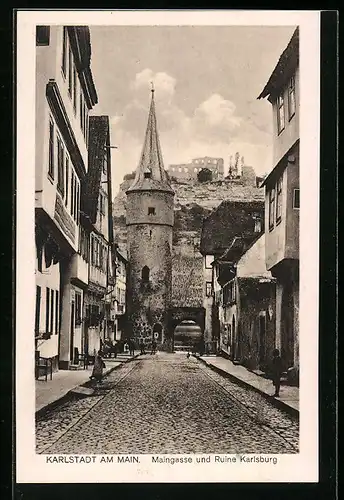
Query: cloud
[[213, 129], [164, 84], [218, 113]]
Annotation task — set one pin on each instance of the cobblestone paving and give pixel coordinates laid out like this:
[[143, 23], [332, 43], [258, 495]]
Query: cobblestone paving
[[167, 404]]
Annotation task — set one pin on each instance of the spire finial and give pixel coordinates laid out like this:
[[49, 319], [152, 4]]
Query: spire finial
[[152, 89]]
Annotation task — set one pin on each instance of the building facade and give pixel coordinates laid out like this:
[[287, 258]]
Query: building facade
[[247, 304], [189, 171], [282, 203], [119, 298], [96, 207], [228, 220], [65, 93], [150, 219]]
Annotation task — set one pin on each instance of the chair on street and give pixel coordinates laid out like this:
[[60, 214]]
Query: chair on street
[[43, 367]]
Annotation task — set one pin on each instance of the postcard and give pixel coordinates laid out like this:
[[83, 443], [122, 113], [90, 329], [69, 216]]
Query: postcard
[[167, 246]]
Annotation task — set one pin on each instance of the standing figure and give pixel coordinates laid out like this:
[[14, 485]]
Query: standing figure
[[126, 348], [153, 351], [131, 347], [142, 347], [99, 365], [276, 371]]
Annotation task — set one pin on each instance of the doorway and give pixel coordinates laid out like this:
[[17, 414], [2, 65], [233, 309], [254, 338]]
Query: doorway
[[234, 339], [262, 340], [71, 347]]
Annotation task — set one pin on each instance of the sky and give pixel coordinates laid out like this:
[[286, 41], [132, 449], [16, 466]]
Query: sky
[[206, 80]]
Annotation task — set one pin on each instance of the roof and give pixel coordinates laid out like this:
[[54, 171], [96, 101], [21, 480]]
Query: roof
[[239, 246], [90, 187], [278, 169], [286, 65], [151, 160], [81, 46], [229, 220]]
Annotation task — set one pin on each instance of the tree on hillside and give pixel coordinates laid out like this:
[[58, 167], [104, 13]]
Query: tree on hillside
[[205, 175], [128, 177]]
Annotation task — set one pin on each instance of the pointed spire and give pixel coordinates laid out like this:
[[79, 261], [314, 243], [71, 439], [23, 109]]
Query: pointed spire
[[150, 174]]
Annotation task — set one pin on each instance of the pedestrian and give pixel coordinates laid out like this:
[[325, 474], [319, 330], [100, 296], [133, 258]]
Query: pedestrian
[[99, 365], [276, 371], [153, 351], [115, 348], [126, 348], [131, 347], [142, 347]]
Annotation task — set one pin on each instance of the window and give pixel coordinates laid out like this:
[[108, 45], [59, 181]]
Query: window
[[151, 210], [92, 250], [296, 198], [60, 166], [279, 200], [105, 163], [42, 35], [81, 110], [84, 244], [78, 317], [77, 217], [280, 113], [74, 88], [208, 289], [67, 178], [147, 174], [145, 274], [39, 258], [75, 198], [51, 149], [47, 310], [57, 313], [70, 71], [85, 118], [51, 311], [72, 195], [64, 51], [102, 203], [208, 261], [257, 224], [291, 98], [38, 309], [271, 208]]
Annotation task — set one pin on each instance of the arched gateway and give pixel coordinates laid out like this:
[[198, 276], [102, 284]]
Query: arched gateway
[[177, 315]]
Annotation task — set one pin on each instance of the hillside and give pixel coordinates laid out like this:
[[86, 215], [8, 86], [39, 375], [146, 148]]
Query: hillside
[[193, 203]]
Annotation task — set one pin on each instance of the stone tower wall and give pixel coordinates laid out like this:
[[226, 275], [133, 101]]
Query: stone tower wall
[[149, 243]]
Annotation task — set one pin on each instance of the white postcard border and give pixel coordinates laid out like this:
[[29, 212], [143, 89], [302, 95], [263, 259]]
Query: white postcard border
[[303, 467]]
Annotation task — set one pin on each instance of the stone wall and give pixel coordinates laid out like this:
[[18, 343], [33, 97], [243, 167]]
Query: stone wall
[[192, 203]]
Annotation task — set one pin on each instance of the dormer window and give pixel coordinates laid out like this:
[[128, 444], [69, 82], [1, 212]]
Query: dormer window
[[151, 210]]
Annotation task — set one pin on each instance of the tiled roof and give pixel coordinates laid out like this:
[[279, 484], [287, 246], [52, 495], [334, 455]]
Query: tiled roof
[[151, 160], [98, 135], [228, 220], [286, 64]]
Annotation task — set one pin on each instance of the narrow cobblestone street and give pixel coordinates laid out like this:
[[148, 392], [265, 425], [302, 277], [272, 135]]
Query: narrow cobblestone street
[[166, 404]]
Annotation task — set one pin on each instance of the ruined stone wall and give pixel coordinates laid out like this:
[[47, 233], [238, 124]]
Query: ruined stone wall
[[192, 203]]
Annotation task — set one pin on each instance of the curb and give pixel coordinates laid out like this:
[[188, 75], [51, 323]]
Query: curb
[[276, 402], [64, 396]]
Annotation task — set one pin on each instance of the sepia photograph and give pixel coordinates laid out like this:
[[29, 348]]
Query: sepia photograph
[[166, 244]]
